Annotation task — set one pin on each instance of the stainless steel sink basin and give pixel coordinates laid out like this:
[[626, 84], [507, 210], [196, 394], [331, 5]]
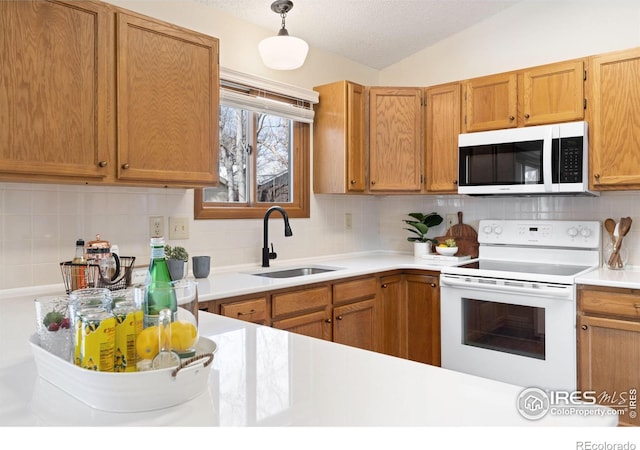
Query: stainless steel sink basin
[[295, 272]]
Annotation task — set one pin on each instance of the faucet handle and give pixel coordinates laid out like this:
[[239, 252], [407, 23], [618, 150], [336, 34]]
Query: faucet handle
[[272, 254]]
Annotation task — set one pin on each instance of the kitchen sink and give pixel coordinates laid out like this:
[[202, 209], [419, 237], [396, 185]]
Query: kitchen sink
[[295, 272]]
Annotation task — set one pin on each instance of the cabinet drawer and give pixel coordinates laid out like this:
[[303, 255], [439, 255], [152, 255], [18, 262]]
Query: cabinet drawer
[[351, 290], [624, 303], [254, 310], [303, 300]]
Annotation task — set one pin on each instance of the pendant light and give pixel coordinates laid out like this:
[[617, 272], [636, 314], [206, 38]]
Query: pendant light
[[283, 52]]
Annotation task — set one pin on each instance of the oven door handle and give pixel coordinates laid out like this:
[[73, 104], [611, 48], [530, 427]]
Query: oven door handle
[[541, 290]]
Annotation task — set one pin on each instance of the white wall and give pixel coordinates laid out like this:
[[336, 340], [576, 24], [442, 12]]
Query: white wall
[[40, 223]]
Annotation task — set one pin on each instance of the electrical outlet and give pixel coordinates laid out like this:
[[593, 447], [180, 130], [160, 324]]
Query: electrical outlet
[[178, 228], [348, 221], [156, 226], [451, 220]]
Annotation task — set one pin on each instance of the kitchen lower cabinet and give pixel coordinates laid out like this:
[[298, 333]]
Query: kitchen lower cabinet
[[316, 324], [423, 318], [250, 310], [355, 313], [614, 122], [394, 315], [608, 329], [303, 311]]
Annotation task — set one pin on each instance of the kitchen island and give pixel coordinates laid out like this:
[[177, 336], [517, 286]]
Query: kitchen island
[[267, 377]]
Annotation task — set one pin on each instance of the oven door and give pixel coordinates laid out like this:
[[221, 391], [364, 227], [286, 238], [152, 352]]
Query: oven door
[[521, 333]]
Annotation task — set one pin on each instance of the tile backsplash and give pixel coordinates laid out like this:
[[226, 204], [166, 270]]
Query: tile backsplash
[[40, 223]]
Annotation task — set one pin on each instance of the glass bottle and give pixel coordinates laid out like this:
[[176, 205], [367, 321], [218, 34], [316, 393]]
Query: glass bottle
[[79, 267], [160, 292]]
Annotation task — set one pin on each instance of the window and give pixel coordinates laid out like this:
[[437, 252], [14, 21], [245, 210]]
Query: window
[[264, 152]]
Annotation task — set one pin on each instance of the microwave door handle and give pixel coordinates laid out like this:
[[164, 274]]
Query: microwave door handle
[[547, 157]]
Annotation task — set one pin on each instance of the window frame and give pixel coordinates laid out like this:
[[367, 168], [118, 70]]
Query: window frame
[[299, 207]]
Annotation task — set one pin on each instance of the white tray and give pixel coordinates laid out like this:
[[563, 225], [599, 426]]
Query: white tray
[[127, 392]]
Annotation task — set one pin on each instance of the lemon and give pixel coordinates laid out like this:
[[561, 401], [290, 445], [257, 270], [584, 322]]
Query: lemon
[[147, 343], [183, 335]]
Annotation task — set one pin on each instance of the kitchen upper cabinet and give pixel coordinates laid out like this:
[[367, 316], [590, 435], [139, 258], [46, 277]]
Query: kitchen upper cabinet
[[608, 345], [90, 93], [167, 92], [491, 102], [442, 126], [614, 123], [53, 91], [539, 95], [395, 139], [339, 159], [423, 317]]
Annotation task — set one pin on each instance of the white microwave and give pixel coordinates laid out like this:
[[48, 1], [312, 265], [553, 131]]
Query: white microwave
[[538, 160]]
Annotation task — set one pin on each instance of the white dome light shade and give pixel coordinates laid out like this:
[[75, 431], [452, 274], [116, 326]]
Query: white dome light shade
[[283, 52]]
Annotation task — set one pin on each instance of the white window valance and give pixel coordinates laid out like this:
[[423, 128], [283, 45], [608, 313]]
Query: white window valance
[[250, 92]]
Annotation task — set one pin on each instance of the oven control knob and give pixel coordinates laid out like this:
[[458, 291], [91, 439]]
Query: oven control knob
[[497, 229], [573, 231], [585, 232], [487, 229]]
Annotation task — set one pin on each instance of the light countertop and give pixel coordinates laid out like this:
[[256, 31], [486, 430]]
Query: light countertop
[[629, 278]]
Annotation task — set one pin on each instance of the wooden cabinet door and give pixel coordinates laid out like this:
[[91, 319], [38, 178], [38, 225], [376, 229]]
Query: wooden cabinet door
[[441, 137], [423, 318], [53, 90], [553, 93], [614, 102], [608, 362], [355, 324], [491, 102], [339, 162], [168, 98], [250, 310], [316, 324], [395, 139], [394, 316]]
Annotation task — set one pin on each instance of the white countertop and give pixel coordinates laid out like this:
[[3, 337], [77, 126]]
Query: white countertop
[[629, 278]]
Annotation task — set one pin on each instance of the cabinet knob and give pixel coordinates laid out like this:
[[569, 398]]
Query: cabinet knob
[[433, 285], [526, 116], [373, 182], [353, 181], [102, 164], [125, 166], [584, 327], [512, 118], [327, 320], [596, 176], [339, 318], [384, 286], [455, 182]]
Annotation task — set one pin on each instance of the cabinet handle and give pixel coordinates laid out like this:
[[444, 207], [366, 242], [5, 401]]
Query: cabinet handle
[[455, 182], [373, 182], [584, 327], [511, 118], [353, 182], [433, 285], [636, 305], [596, 176], [327, 320], [384, 286], [339, 318], [102, 164], [240, 313], [125, 166], [526, 116]]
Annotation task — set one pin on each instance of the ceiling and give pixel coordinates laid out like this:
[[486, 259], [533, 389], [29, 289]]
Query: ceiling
[[376, 33]]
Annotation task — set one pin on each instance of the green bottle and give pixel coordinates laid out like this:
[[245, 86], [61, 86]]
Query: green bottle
[[160, 292]]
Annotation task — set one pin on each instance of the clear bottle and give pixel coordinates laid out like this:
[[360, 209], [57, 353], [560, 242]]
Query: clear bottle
[[79, 267], [160, 292]]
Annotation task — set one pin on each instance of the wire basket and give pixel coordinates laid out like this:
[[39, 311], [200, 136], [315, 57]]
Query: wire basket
[[77, 276]]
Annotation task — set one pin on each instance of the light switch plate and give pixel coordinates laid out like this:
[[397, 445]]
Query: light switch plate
[[178, 228]]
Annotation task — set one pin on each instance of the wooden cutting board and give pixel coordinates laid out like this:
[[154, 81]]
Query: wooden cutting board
[[466, 237]]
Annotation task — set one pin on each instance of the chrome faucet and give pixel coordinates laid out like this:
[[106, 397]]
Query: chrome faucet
[[266, 254]]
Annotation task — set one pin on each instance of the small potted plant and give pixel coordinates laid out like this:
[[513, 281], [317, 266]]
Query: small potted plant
[[177, 258], [419, 227]]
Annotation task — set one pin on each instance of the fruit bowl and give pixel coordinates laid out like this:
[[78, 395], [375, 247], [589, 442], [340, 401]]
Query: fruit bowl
[[447, 251]]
